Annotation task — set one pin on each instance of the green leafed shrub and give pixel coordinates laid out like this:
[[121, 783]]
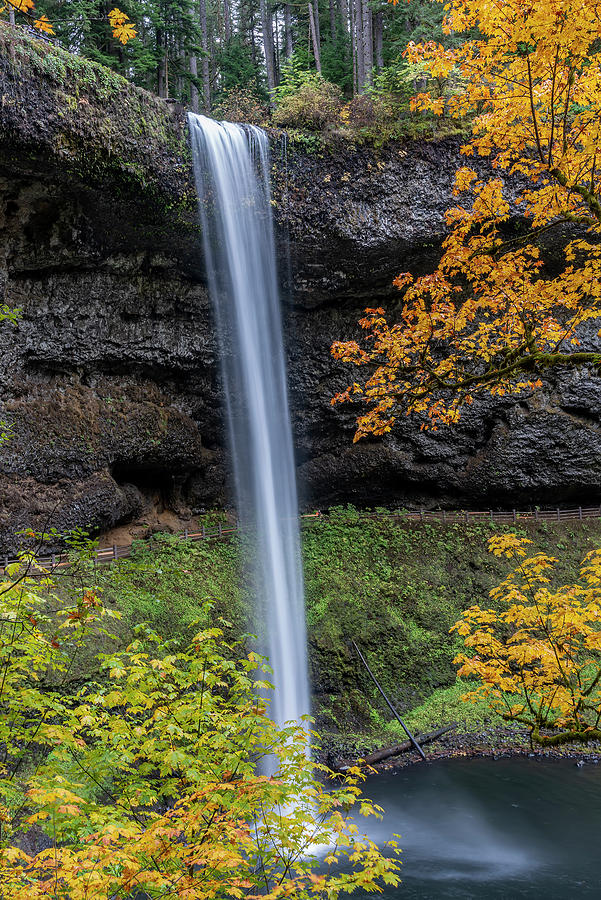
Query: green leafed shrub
[[306, 100], [241, 105], [315, 106]]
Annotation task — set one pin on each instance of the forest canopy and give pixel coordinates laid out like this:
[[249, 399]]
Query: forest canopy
[[202, 51]]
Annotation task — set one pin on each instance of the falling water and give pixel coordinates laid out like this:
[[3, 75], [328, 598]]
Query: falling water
[[231, 167]]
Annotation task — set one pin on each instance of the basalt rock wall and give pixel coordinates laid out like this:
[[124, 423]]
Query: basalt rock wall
[[109, 380]]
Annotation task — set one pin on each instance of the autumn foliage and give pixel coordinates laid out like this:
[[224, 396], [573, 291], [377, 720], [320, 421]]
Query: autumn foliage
[[122, 29], [537, 653], [491, 317], [146, 780]]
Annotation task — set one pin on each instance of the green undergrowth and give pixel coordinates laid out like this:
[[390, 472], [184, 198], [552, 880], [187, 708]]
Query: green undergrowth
[[393, 588], [445, 706]]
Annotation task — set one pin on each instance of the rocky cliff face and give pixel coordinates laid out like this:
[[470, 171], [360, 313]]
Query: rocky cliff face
[[109, 381]]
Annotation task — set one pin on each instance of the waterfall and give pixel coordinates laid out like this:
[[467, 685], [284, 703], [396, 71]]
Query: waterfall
[[231, 168]]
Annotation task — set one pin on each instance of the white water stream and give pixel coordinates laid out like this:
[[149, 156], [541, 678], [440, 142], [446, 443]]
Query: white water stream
[[231, 167]]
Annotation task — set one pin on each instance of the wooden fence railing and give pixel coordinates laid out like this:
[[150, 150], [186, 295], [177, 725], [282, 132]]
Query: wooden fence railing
[[441, 516]]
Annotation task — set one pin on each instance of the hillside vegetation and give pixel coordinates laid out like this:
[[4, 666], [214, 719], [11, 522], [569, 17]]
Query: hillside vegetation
[[395, 589]]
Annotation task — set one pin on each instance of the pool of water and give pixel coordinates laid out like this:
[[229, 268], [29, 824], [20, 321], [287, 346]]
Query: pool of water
[[493, 829]]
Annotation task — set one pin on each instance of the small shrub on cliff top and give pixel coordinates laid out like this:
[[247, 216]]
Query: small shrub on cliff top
[[241, 105], [304, 99], [315, 105]]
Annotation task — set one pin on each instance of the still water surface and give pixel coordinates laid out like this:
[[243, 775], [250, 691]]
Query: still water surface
[[493, 830]]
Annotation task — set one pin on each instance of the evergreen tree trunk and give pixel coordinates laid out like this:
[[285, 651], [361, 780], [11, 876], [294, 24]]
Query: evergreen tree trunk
[[251, 33], [193, 64], [161, 65], [288, 31], [379, 39], [343, 10], [276, 45], [333, 21], [317, 28], [367, 44], [314, 38], [227, 21], [359, 44], [204, 63], [267, 29], [193, 89]]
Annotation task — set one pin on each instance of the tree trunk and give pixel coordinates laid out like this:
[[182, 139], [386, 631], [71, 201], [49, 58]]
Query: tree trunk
[[160, 66], [227, 21], [314, 38], [193, 88], [267, 29], [333, 21], [317, 28], [204, 63], [379, 39], [275, 33], [359, 43], [288, 31], [343, 10], [193, 64], [251, 31], [368, 53]]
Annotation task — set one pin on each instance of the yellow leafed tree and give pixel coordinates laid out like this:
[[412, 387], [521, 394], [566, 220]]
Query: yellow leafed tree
[[538, 659], [491, 317], [146, 782], [122, 28]]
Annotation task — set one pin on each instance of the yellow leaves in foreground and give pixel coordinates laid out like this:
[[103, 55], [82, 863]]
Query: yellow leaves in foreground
[[536, 654], [145, 782]]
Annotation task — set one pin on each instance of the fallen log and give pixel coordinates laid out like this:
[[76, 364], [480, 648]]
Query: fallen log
[[380, 755]]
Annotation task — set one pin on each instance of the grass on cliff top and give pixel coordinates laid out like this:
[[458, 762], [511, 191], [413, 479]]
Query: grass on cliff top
[[395, 589]]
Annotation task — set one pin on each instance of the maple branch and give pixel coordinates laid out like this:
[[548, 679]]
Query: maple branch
[[533, 110], [588, 196], [550, 158], [531, 363]]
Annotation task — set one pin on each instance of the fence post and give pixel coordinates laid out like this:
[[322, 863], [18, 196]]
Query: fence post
[[467, 517], [536, 513], [492, 518], [203, 532], [515, 516], [114, 551], [185, 534], [558, 516], [421, 514], [220, 530], [444, 515], [580, 512]]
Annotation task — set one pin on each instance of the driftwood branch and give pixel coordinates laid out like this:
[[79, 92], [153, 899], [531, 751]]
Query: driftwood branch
[[380, 755]]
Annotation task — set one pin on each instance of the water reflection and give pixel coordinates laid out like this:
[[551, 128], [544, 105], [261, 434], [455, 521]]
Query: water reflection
[[485, 829]]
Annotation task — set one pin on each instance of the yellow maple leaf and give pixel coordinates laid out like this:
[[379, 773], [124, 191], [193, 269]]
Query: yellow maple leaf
[[123, 29], [43, 24]]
